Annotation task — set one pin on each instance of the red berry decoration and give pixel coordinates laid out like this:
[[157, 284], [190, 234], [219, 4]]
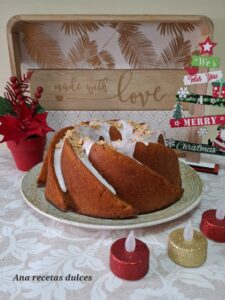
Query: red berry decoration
[[29, 74], [20, 97], [14, 86], [32, 106], [37, 95], [40, 89], [13, 79], [17, 92]]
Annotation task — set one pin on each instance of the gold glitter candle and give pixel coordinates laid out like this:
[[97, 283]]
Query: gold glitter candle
[[191, 252]]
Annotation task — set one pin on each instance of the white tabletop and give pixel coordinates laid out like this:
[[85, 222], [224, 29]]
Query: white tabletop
[[33, 245]]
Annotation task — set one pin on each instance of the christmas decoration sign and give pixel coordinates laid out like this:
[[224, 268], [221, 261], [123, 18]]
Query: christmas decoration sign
[[202, 77], [207, 62], [202, 99], [193, 147], [198, 121], [217, 145]]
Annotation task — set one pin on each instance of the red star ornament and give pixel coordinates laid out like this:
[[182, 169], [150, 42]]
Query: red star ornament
[[207, 46]]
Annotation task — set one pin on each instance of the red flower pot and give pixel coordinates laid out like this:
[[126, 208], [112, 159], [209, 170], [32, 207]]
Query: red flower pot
[[28, 153]]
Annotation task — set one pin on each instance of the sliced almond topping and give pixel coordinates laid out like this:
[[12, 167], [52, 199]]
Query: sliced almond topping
[[81, 141], [58, 146]]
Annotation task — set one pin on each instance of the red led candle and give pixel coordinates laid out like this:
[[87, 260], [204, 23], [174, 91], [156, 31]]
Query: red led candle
[[213, 224], [129, 258]]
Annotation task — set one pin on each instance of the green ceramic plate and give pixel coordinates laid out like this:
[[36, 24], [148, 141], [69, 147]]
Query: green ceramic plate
[[192, 185]]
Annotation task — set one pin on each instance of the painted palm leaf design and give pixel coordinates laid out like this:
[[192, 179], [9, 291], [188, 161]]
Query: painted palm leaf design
[[43, 49], [125, 27], [137, 50], [177, 54], [77, 28], [85, 54], [103, 60], [82, 52], [175, 28]]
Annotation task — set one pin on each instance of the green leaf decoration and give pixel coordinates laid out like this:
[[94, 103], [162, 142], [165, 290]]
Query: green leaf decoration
[[39, 109], [5, 107]]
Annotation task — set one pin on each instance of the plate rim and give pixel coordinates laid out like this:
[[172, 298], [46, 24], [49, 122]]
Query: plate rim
[[114, 226]]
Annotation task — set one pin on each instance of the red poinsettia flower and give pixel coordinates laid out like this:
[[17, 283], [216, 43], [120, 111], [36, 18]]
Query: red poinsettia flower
[[21, 116], [16, 129], [24, 125]]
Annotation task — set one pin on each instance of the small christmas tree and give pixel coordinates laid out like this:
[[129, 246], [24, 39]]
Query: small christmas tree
[[178, 111]]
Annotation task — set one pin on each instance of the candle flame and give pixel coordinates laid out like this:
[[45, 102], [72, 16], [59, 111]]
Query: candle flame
[[130, 243], [188, 231], [220, 212]]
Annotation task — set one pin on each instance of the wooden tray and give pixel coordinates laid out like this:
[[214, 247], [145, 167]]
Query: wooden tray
[[107, 62]]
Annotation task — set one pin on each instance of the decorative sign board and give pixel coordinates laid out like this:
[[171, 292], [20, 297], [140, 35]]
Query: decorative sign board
[[202, 78], [215, 146], [207, 62], [198, 121], [108, 89], [192, 147]]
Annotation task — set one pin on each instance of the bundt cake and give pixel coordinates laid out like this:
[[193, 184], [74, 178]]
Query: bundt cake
[[110, 169]]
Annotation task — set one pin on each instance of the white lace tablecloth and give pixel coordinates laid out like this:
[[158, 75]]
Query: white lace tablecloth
[[32, 244]]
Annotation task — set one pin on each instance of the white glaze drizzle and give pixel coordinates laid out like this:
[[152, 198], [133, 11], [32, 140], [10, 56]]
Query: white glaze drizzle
[[90, 132], [104, 128], [87, 146], [125, 147], [57, 166], [95, 133], [126, 130], [90, 167]]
